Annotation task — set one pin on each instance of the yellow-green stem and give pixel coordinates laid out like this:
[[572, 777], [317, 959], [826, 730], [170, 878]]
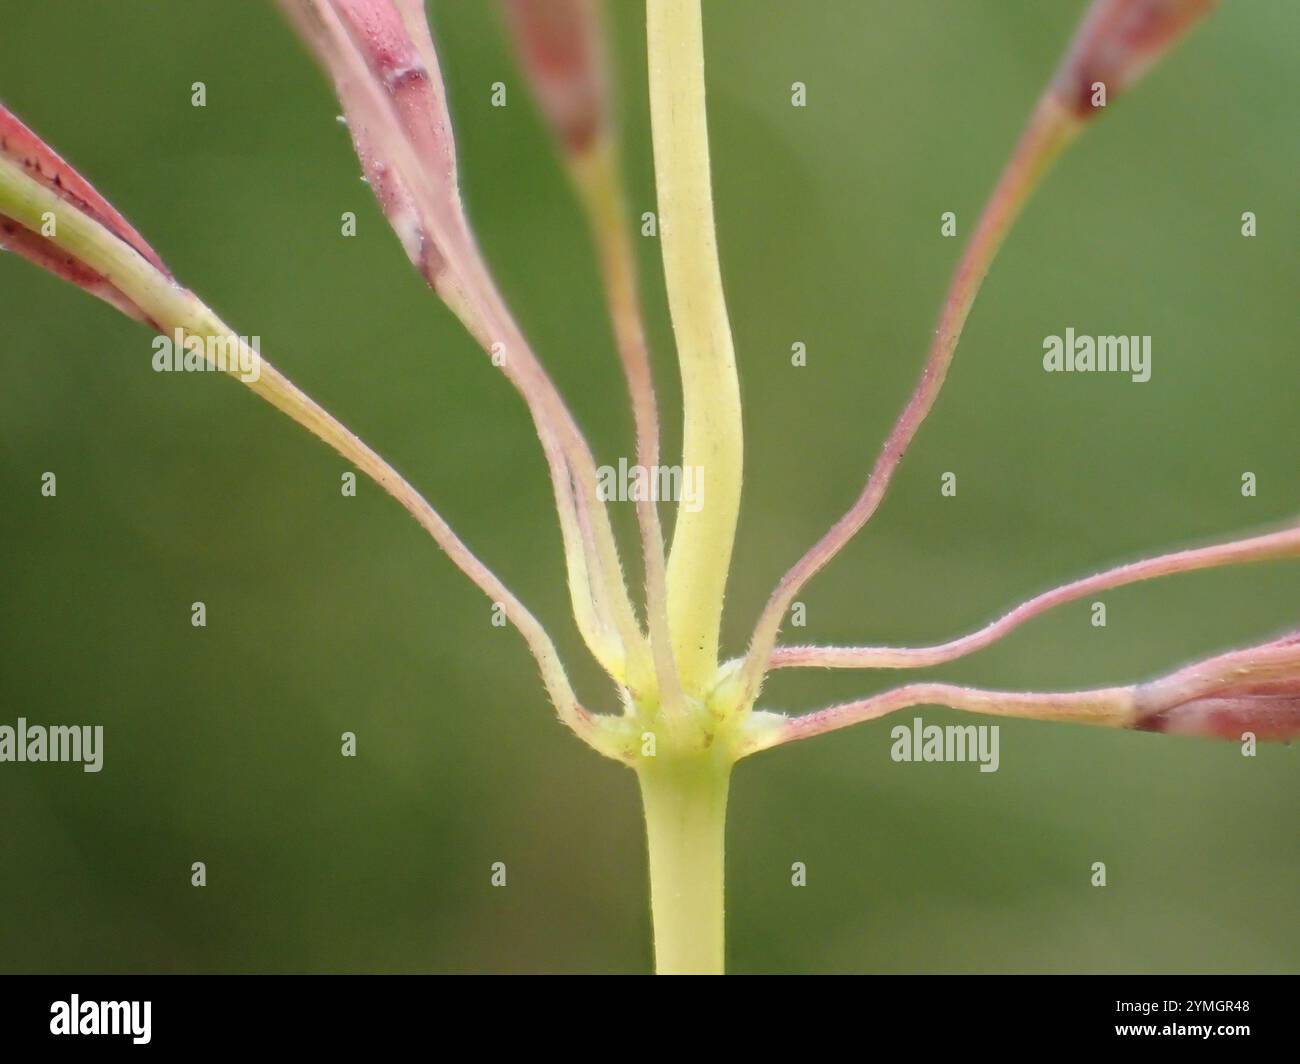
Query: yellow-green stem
[[712, 439], [685, 799]]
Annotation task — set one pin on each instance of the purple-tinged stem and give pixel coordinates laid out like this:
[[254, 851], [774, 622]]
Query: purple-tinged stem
[[597, 176], [1049, 130], [1111, 707], [98, 242], [1252, 692], [387, 78], [562, 51], [1283, 544], [1116, 42]]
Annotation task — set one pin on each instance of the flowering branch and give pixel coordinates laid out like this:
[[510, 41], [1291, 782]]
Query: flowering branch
[[1118, 40], [561, 49], [90, 244], [382, 61], [1254, 691], [1283, 544], [384, 67], [1109, 707]]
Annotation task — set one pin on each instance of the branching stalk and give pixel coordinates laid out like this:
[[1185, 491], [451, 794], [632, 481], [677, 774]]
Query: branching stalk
[[1049, 130], [171, 307], [385, 73], [1115, 44], [562, 51], [1247, 694]]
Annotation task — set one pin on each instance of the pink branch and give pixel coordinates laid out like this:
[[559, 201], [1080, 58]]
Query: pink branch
[[562, 52], [1108, 706], [1049, 130], [1249, 693], [381, 58], [1116, 42], [1284, 544], [93, 241]]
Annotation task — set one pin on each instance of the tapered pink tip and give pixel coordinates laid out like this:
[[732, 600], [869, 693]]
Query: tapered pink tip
[[44, 165], [1115, 44], [1256, 690], [560, 49]]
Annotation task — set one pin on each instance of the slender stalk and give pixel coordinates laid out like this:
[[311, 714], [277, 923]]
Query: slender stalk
[[1050, 129], [712, 441], [1111, 707], [607, 588], [1116, 42], [562, 51], [1254, 690], [385, 72], [171, 307], [685, 801], [1283, 544], [597, 174]]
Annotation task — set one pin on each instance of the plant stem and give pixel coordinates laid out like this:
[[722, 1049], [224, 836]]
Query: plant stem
[[712, 443], [1050, 130], [685, 802], [169, 307]]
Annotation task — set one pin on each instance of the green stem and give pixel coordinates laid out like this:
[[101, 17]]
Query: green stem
[[685, 802], [712, 435]]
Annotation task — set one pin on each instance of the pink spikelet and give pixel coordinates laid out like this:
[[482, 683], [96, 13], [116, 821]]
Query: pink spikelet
[[18, 144], [1116, 43], [560, 49], [1254, 690]]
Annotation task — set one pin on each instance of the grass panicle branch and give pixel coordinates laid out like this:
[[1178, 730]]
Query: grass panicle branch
[[390, 86], [94, 242], [562, 51], [1253, 692], [381, 59], [1268, 547], [1118, 39]]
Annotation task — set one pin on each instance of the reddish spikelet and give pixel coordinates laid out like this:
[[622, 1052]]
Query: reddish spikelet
[[1116, 43], [559, 45], [385, 72], [1254, 690], [403, 68], [20, 145]]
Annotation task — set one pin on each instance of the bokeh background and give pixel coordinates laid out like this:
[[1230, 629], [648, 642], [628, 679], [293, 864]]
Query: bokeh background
[[328, 614]]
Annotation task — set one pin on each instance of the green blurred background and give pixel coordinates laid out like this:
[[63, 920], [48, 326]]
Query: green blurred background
[[328, 614]]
